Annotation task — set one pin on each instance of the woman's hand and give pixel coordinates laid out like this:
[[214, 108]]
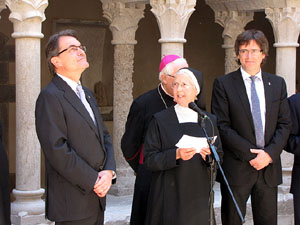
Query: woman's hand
[[204, 152], [185, 153]]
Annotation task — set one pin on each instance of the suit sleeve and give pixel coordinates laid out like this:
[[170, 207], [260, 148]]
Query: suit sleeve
[[155, 158], [52, 133], [283, 124], [293, 144], [110, 163], [131, 143], [237, 145]]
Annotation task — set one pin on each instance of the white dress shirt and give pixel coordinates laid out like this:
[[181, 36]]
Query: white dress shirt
[[70, 82], [260, 90]]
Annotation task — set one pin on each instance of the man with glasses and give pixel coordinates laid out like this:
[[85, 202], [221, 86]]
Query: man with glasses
[[253, 120], [79, 157]]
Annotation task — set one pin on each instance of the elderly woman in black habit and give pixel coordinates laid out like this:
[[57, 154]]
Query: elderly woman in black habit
[[175, 151]]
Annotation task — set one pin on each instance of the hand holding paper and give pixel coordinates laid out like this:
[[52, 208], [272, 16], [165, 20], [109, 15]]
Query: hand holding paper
[[198, 143]]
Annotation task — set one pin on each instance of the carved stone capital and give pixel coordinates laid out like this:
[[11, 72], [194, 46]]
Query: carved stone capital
[[27, 16], [234, 5], [233, 23], [286, 25], [172, 18], [124, 19]]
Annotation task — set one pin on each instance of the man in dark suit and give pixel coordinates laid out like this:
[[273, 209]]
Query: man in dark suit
[[4, 185], [79, 157], [293, 146], [253, 120]]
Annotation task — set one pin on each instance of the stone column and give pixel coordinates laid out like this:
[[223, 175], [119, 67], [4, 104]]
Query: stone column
[[233, 23], [123, 20], [286, 27], [172, 18], [27, 17]]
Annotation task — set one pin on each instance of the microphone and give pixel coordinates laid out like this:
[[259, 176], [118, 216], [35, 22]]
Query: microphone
[[193, 106]]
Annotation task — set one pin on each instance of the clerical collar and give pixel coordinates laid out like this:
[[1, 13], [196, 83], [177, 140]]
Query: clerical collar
[[185, 115], [162, 87], [163, 95]]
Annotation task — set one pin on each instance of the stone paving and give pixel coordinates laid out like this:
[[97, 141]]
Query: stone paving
[[119, 208]]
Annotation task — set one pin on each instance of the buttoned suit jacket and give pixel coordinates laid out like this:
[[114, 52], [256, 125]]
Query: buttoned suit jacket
[[231, 106], [75, 151]]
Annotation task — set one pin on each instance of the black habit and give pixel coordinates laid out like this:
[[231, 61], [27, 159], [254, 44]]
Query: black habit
[[179, 193], [139, 117]]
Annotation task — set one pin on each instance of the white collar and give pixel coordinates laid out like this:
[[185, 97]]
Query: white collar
[[162, 87], [185, 115], [246, 75], [70, 82]]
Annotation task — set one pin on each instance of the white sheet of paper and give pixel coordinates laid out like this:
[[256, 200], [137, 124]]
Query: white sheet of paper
[[198, 143]]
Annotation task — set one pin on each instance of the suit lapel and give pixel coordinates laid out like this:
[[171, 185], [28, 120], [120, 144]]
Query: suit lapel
[[96, 114], [268, 97], [73, 99], [240, 88]]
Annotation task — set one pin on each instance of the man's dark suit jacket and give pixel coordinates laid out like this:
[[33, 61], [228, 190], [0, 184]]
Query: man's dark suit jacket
[[75, 151], [293, 145], [231, 106]]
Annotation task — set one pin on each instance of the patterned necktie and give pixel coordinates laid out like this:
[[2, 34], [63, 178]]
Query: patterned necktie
[[256, 115], [81, 95]]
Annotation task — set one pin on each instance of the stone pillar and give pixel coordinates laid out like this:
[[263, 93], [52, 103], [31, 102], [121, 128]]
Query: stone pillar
[[27, 17], [233, 23], [123, 20], [172, 18], [286, 27]]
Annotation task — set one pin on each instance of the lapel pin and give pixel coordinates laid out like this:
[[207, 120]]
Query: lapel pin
[[269, 83]]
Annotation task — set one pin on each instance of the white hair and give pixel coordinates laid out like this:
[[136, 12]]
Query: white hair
[[168, 69], [191, 76]]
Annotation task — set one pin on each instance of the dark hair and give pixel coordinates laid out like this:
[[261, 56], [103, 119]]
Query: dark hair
[[52, 46], [255, 35]]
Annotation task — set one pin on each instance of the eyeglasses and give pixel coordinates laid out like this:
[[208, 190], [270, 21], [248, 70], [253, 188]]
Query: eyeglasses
[[170, 75], [252, 51], [73, 49], [182, 85]]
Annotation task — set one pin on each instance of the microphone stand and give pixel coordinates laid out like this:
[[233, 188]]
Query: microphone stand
[[212, 168], [215, 158]]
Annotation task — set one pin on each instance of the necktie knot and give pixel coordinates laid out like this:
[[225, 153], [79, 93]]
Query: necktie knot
[[80, 91], [81, 95], [253, 78]]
